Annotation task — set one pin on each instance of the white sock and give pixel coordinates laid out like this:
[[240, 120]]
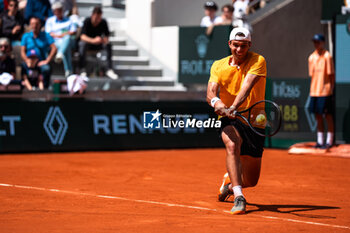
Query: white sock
[[330, 137], [237, 190], [320, 138]]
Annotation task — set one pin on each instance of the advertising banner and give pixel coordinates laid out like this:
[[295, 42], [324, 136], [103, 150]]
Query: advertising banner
[[83, 125], [292, 95], [198, 51]]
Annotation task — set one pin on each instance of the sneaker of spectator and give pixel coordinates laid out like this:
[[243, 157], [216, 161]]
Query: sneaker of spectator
[[111, 74], [62, 31], [59, 57], [95, 36], [210, 17]]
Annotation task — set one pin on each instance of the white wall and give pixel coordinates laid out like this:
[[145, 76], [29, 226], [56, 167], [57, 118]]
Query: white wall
[[144, 20], [165, 49], [181, 12], [138, 14]]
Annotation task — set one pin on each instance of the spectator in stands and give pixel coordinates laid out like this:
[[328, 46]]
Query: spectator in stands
[[321, 71], [241, 8], [62, 30], [95, 36], [226, 14], [38, 8], [254, 6], [44, 46], [263, 3], [7, 64], [31, 72], [74, 17], [225, 19], [68, 6], [11, 23], [210, 17]]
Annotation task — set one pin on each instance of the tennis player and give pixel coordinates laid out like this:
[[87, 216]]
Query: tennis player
[[240, 78]]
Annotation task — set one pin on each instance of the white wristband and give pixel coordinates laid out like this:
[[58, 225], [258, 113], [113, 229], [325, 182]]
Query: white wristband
[[213, 101]]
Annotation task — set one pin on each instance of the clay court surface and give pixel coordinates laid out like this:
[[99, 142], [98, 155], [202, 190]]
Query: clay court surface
[[169, 191]]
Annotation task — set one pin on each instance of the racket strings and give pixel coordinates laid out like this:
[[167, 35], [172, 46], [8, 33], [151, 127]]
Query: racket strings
[[266, 115]]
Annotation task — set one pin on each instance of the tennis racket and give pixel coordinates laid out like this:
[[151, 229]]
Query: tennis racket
[[263, 117]]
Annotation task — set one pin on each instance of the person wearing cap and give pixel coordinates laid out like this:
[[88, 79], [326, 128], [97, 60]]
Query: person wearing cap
[[31, 73], [240, 78], [44, 46], [321, 71], [62, 31], [95, 36], [210, 17]]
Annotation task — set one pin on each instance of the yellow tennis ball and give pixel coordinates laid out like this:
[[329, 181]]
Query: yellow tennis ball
[[260, 119]]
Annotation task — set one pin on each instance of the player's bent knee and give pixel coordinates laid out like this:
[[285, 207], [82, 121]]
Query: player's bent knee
[[231, 146]]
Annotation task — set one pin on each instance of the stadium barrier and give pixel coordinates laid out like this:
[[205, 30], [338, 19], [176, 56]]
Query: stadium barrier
[[78, 125]]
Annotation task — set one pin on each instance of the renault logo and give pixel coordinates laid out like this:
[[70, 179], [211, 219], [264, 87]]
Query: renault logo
[[55, 125]]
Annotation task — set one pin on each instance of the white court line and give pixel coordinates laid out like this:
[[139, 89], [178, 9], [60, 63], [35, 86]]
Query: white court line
[[167, 204]]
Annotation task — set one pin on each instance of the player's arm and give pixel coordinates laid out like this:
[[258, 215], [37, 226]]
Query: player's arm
[[213, 99], [248, 83]]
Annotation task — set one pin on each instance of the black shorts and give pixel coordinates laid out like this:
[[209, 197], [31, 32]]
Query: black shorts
[[252, 144], [321, 105]]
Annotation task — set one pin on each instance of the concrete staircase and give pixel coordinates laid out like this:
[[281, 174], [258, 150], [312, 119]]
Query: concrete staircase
[[135, 72]]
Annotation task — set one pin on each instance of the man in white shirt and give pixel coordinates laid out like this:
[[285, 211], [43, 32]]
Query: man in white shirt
[[210, 12], [62, 31]]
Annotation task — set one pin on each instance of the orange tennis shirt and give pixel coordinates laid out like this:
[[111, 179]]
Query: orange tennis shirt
[[230, 79], [320, 69]]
